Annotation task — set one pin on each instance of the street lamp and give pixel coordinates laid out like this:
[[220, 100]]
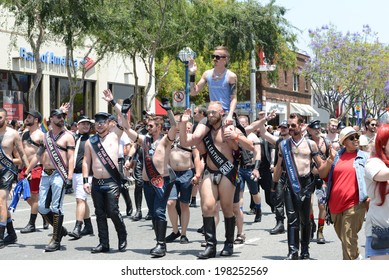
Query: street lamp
[[185, 55]]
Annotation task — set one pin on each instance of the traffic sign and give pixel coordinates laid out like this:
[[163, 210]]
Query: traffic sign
[[179, 99]]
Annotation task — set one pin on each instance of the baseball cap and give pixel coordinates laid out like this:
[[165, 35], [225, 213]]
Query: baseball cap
[[57, 112], [84, 119], [35, 114]]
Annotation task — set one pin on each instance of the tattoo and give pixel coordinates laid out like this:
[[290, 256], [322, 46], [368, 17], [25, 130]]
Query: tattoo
[[40, 151], [234, 89]]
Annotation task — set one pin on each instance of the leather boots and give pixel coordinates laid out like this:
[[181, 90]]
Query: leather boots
[[76, 233], [228, 249], [293, 243], [160, 232], [210, 238]]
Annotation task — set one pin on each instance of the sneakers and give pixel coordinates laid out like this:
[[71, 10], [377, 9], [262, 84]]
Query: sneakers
[[173, 236], [184, 239]]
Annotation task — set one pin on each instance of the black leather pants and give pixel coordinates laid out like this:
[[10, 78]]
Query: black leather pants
[[298, 208], [105, 199]]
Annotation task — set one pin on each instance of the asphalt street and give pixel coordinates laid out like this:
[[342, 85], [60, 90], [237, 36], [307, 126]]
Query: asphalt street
[[259, 245]]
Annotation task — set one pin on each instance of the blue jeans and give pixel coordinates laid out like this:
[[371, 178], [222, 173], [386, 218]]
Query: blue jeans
[[182, 186], [155, 202], [245, 177], [51, 194]]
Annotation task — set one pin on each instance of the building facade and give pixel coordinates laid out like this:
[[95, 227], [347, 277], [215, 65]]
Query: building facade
[[292, 93], [17, 70]]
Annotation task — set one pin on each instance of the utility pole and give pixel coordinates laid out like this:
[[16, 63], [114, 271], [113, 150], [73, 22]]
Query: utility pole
[[253, 90]]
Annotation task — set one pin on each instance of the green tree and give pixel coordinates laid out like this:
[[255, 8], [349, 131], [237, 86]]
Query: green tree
[[348, 70], [31, 19]]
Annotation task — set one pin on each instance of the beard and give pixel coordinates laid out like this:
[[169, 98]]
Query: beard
[[28, 124], [214, 120], [2, 124], [59, 124]]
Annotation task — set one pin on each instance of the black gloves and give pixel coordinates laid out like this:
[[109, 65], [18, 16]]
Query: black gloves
[[126, 105], [68, 184], [165, 104]]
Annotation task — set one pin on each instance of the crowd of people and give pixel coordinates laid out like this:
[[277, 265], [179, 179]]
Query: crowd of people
[[211, 152]]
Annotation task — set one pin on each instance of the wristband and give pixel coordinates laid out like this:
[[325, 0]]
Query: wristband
[[85, 180], [113, 102], [257, 164], [192, 78]]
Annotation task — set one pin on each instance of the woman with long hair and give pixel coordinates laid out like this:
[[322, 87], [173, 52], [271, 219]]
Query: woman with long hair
[[376, 177]]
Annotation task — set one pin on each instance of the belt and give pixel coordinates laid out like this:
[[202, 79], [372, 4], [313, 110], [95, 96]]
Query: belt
[[102, 182], [248, 166], [49, 171]]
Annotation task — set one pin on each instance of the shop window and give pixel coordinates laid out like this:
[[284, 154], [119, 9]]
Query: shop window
[[14, 92], [84, 100]]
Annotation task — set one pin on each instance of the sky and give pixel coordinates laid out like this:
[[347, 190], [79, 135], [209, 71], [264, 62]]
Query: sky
[[345, 15]]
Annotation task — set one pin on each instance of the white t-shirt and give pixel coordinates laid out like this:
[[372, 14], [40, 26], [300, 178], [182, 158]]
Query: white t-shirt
[[377, 215], [124, 141]]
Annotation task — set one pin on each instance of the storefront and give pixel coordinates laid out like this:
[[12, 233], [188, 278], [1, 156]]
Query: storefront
[[17, 70]]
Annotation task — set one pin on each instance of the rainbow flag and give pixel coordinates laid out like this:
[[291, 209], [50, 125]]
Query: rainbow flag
[[44, 126]]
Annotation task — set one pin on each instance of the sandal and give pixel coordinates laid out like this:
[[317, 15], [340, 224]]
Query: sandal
[[240, 238]]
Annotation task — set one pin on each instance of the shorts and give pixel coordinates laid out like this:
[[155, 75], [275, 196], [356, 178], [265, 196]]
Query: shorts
[[7, 177], [369, 252], [182, 186], [78, 186], [36, 175]]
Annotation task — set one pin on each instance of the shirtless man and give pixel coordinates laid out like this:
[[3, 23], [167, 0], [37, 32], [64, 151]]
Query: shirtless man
[[101, 156], [9, 141], [370, 133], [218, 180], [333, 135], [57, 158], [295, 157], [324, 146], [157, 176], [32, 139], [182, 161]]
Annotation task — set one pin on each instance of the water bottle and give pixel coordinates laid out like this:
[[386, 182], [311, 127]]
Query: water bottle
[[321, 195]]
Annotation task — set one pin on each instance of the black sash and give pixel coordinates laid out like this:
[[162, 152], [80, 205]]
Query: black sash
[[55, 155], [104, 158], [223, 164], [7, 162]]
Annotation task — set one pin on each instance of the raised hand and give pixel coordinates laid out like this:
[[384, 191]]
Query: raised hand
[[192, 67], [186, 116], [107, 95]]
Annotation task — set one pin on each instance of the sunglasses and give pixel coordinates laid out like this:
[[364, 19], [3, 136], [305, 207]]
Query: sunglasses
[[217, 57], [293, 125], [213, 112], [373, 124], [353, 137], [150, 125]]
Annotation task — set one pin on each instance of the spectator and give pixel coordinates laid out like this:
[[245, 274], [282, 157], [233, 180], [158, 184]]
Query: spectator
[[376, 177]]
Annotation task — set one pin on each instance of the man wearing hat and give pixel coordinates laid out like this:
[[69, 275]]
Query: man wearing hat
[[82, 208], [58, 150], [324, 152], [101, 156], [32, 139]]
